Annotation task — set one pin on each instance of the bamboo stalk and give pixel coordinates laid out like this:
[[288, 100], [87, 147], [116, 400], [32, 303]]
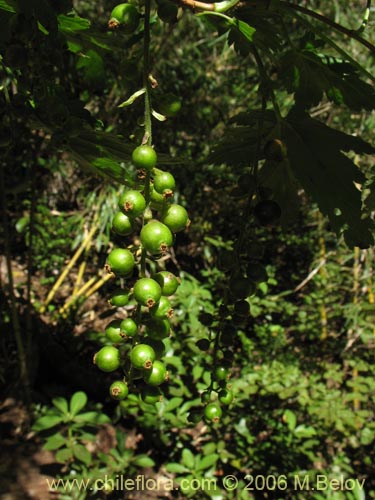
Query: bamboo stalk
[[69, 266], [80, 292]]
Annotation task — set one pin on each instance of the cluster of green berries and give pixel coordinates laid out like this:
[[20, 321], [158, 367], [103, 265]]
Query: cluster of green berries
[[136, 341]]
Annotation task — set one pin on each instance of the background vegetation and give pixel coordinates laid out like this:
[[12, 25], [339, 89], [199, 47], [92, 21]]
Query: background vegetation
[[302, 363]]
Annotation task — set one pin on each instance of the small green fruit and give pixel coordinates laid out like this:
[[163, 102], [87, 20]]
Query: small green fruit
[[107, 359], [142, 356], [125, 16], [144, 157], [118, 390]]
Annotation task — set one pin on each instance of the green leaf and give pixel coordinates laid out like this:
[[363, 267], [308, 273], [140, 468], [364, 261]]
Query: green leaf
[[317, 161], [207, 462], [77, 402], [92, 417], [290, 418], [61, 404], [64, 455], [8, 5], [308, 75], [367, 436], [304, 431], [172, 404], [132, 98], [176, 468], [72, 23], [188, 458], [82, 454], [143, 461], [54, 442], [46, 422], [92, 65]]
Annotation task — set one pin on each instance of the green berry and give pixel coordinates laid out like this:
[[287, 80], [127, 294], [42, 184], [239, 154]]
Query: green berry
[[168, 282], [118, 390], [132, 203], [122, 224], [107, 359], [147, 292], [120, 261], [142, 356], [119, 298], [164, 182], [221, 373], [176, 218], [125, 16], [212, 412], [113, 331], [162, 309], [169, 105], [157, 375], [156, 237], [128, 327], [144, 157]]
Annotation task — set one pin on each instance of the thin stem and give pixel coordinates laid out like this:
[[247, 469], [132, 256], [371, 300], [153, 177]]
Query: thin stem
[[147, 139], [29, 329], [22, 359], [329, 22], [265, 79]]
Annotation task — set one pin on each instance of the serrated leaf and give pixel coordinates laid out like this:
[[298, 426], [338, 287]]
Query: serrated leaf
[[241, 36], [132, 98], [207, 462], [188, 458], [308, 75], [64, 455], [61, 404], [46, 422], [54, 442], [329, 176], [143, 461], [176, 468], [82, 454], [77, 402]]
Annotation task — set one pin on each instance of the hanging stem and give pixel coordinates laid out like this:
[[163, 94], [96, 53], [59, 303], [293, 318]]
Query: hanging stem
[[147, 139], [265, 80]]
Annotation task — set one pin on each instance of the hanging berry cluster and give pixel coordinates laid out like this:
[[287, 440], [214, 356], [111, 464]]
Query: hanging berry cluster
[[136, 342]]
